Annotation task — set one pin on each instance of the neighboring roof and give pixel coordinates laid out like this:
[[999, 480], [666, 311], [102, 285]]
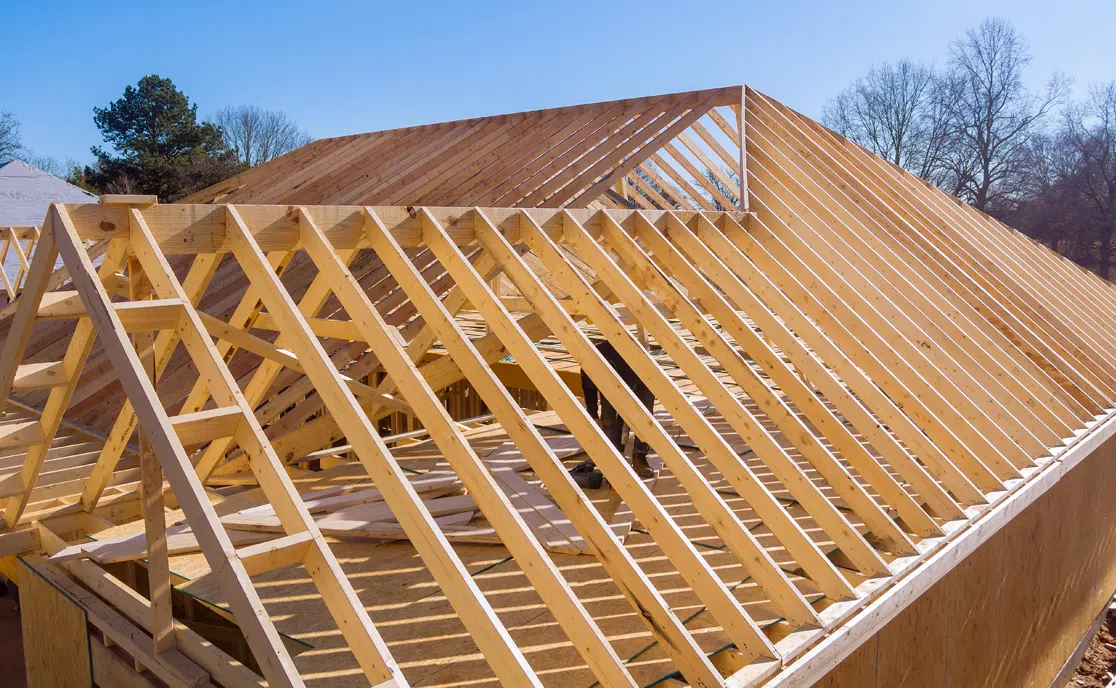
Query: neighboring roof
[[570, 156], [26, 191]]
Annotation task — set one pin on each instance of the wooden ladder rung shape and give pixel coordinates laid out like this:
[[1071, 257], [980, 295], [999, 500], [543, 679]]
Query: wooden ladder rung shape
[[45, 375], [135, 316], [21, 434], [275, 554], [148, 316], [168, 437], [202, 427]]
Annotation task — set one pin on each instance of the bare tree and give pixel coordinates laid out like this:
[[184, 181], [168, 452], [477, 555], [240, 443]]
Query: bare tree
[[729, 192], [1085, 161], [257, 135], [671, 194], [63, 169], [993, 115], [1050, 210], [11, 144], [12, 148], [895, 110], [976, 131]]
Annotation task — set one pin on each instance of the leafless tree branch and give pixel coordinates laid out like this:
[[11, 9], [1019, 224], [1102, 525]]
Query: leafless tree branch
[[896, 111], [993, 116], [11, 144], [257, 135]]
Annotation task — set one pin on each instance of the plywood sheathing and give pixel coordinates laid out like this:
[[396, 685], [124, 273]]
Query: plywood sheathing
[[54, 627]]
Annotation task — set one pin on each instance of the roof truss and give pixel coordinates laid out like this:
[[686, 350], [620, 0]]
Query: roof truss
[[680, 151], [893, 361]]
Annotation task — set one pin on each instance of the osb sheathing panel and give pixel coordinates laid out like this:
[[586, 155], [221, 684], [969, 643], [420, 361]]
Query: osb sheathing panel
[[54, 627], [1011, 613]]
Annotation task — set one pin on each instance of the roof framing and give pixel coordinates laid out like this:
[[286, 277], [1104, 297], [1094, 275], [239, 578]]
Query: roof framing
[[895, 363], [635, 153]]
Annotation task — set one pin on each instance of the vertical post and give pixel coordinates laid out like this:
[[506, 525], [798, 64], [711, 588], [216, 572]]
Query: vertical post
[[641, 335], [742, 170], [622, 187], [151, 486]]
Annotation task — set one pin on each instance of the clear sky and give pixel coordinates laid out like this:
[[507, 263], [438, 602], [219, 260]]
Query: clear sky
[[347, 67]]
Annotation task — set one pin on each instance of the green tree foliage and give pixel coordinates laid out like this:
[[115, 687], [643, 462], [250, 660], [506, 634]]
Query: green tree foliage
[[158, 146]]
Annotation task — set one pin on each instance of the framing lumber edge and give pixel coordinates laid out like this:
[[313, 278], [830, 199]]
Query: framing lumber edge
[[205, 229], [1069, 668], [593, 154], [891, 596], [199, 228]]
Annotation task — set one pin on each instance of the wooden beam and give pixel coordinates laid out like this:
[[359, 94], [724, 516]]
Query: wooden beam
[[322, 327], [275, 554], [19, 541], [45, 375], [136, 316], [21, 434], [220, 554], [436, 552], [129, 200], [151, 485], [202, 427], [340, 598], [275, 230], [508, 523], [148, 316], [679, 644]]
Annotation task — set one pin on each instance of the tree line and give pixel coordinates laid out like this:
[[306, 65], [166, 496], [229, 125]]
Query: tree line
[[156, 144], [1033, 158]]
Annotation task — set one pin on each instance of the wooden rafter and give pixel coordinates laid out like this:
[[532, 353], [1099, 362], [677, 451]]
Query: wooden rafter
[[544, 158], [846, 375]]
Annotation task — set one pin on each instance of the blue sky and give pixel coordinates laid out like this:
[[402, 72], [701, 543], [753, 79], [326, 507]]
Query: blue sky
[[341, 67]]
